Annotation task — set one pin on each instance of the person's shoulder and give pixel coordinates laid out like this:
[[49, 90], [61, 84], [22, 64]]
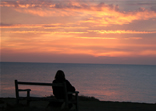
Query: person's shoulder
[[55, 81], [66, 80], [58, 81]]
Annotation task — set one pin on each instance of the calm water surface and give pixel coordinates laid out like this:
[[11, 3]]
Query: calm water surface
[[133, 83]]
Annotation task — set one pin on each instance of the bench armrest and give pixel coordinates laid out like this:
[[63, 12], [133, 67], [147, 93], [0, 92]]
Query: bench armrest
[[76, 92], [24, 89]]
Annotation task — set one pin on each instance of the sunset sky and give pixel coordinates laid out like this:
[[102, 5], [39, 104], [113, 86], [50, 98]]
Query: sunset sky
[[79, 31]]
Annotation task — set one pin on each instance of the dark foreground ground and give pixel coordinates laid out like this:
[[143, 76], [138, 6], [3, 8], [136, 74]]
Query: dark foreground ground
[[85, 104]]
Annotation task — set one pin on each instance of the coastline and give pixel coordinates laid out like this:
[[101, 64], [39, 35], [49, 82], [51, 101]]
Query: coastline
[[85, 104]]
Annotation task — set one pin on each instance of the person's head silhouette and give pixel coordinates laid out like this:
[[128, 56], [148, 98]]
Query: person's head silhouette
[[60, 75]]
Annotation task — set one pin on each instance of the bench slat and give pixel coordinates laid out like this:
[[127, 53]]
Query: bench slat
[[24, 89], [40, 84]]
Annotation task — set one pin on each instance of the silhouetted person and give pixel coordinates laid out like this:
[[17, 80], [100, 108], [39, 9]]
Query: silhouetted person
[[59, 91]]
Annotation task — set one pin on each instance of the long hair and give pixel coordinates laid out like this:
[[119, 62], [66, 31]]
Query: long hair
[[60, 75]]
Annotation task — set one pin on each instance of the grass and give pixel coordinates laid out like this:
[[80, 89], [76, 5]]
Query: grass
[[86, 103]]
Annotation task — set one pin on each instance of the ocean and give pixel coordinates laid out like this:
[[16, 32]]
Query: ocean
[[107, 82]]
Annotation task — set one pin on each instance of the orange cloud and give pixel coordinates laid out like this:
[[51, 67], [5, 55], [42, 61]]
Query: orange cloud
[[120, 32], [44, 26], [20, 26], [148, 52], [137, 38], [60, 26], [95, 14], [110, 17], [100, 46], [44, 32], [96, 38], [113, 54]]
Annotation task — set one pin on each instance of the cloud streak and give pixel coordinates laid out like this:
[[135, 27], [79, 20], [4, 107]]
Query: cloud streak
[[58, 26], [120, 32], [95, 14]]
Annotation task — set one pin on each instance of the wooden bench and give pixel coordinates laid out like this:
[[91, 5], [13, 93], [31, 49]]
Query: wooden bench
[[29, 98]]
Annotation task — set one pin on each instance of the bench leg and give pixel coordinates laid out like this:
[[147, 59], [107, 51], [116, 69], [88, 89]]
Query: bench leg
[[76, 97], [17, 101], [28, 97]]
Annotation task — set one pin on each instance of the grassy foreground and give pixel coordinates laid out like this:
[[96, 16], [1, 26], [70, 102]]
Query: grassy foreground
[[85, 104]]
